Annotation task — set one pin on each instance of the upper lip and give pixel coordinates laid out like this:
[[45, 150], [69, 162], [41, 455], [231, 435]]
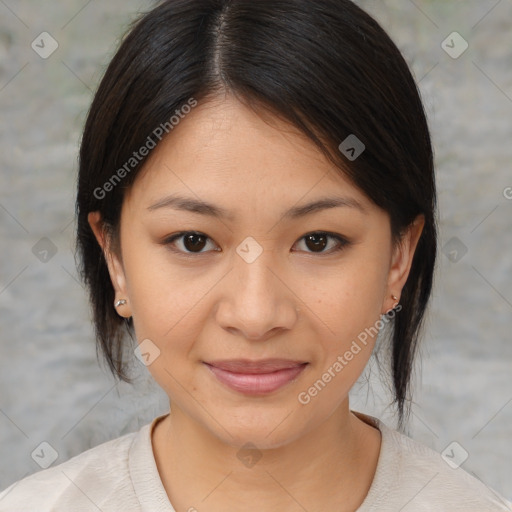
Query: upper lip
[[252, 366]]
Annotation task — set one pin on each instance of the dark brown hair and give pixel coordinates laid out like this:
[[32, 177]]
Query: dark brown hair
[[325, 66]]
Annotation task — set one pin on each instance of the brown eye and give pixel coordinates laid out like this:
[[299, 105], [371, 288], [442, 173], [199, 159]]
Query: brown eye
[[190, 241], [318, 241], [193, 242]]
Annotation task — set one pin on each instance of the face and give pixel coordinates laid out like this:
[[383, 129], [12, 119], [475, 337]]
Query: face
[[255, 278]]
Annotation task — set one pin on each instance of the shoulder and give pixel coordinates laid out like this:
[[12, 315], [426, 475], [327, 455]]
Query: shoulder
[[87, 478], [436, 482], [413, 477]]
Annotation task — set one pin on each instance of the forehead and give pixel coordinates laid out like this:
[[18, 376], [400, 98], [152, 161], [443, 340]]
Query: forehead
[[224, 149]]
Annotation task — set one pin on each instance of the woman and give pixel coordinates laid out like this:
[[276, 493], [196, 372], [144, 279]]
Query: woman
[[256, 202]]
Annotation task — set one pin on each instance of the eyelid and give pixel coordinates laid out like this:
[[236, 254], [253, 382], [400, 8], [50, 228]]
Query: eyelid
[[168, 241], [342, 242]]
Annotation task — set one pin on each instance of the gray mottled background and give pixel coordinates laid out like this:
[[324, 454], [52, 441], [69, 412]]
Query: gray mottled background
[[51, 386]]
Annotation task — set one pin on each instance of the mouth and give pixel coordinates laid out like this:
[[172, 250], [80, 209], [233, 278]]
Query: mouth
[[256, 377]]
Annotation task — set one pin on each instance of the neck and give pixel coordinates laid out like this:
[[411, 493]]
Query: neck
[[331, 466]]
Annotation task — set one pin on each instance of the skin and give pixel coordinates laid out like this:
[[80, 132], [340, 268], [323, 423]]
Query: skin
[[290, 302]]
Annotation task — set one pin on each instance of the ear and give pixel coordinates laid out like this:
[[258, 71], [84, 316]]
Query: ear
[[114, 263], [401, 261]]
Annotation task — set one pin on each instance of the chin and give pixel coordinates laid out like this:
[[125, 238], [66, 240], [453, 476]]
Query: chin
[[263, 431]]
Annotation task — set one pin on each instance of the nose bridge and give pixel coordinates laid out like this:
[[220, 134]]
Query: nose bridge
[[253, 269], [257, 301]]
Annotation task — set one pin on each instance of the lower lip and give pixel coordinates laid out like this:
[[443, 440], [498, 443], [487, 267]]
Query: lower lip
[[256, 383]]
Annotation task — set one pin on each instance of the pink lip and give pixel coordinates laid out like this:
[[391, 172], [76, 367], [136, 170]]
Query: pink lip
[[256, 377]]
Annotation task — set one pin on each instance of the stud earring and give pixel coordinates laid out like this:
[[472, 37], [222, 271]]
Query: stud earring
[[120, 302], [395, 298]]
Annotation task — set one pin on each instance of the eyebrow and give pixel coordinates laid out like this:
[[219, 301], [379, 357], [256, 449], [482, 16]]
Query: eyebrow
[[204, 208]]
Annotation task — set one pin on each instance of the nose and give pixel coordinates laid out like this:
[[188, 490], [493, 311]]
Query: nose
[[257, 302]]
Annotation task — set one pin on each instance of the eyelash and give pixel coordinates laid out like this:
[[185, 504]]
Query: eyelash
[[343, 242]]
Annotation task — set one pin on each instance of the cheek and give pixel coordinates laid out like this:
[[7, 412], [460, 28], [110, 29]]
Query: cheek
[[341, 358], [165, 306], [347, 298], [348, 305], [163, 297]]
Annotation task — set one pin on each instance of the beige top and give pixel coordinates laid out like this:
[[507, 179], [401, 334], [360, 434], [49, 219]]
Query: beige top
[[121, 476]]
